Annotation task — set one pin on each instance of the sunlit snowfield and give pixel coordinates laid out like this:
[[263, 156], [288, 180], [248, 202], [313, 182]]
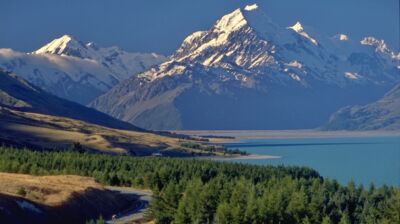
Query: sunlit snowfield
[[362, 159]]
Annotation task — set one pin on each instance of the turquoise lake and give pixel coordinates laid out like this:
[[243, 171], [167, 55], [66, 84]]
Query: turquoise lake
[[364, 160]]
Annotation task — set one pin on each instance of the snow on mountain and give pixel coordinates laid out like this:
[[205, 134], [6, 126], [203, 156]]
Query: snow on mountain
[[343, 37], [381, 48], [121, 63], [73, 78], [251, 7], [63, 45], [248, 72], [380, 45], [76, 71], [248, 40], [298, 28]]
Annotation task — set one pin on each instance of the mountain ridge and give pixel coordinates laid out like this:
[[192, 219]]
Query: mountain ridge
[[76, 71], [383, 114], [18, 94]]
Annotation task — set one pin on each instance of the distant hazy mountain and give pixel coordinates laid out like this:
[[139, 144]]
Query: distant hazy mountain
[[74, 70], [246, 72], [17, 94], [382, 114]]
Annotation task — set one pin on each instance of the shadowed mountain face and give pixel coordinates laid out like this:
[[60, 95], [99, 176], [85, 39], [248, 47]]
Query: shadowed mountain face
[[246, 72], [17, 94], [382, 114]]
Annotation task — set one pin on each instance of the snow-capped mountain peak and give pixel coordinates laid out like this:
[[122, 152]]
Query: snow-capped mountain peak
[[246, 42], [74, 70], [231, 22], [64, 45], [298, 28], [120, 63], [239, 18], [228, 33], [249, 16]]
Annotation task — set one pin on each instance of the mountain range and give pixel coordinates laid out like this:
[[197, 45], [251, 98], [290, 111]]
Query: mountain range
[[247, 72], [75, 70]]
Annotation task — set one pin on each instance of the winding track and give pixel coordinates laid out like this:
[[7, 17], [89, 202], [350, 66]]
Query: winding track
[[138, 208]]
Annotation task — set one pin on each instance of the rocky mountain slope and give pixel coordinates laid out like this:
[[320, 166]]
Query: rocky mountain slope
[[74, 70], [246, 72], [383, 114]]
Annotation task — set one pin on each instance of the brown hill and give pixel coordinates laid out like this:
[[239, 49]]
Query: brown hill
[[55, 199], [49, 132]]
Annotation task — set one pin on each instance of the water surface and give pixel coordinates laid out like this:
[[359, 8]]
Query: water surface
[[364, 160]]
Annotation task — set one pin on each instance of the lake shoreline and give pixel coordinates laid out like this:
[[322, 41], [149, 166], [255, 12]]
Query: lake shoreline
[[240, 135], [367, 158], [239, 157]]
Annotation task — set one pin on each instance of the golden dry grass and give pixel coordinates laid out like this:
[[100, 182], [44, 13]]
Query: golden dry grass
[[52, 131], [48, 190]]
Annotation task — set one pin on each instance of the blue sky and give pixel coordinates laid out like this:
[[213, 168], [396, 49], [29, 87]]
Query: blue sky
[[161, 25]]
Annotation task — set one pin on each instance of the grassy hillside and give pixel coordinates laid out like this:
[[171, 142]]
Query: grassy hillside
[[55, 199], [53, 132], [46, 190]]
